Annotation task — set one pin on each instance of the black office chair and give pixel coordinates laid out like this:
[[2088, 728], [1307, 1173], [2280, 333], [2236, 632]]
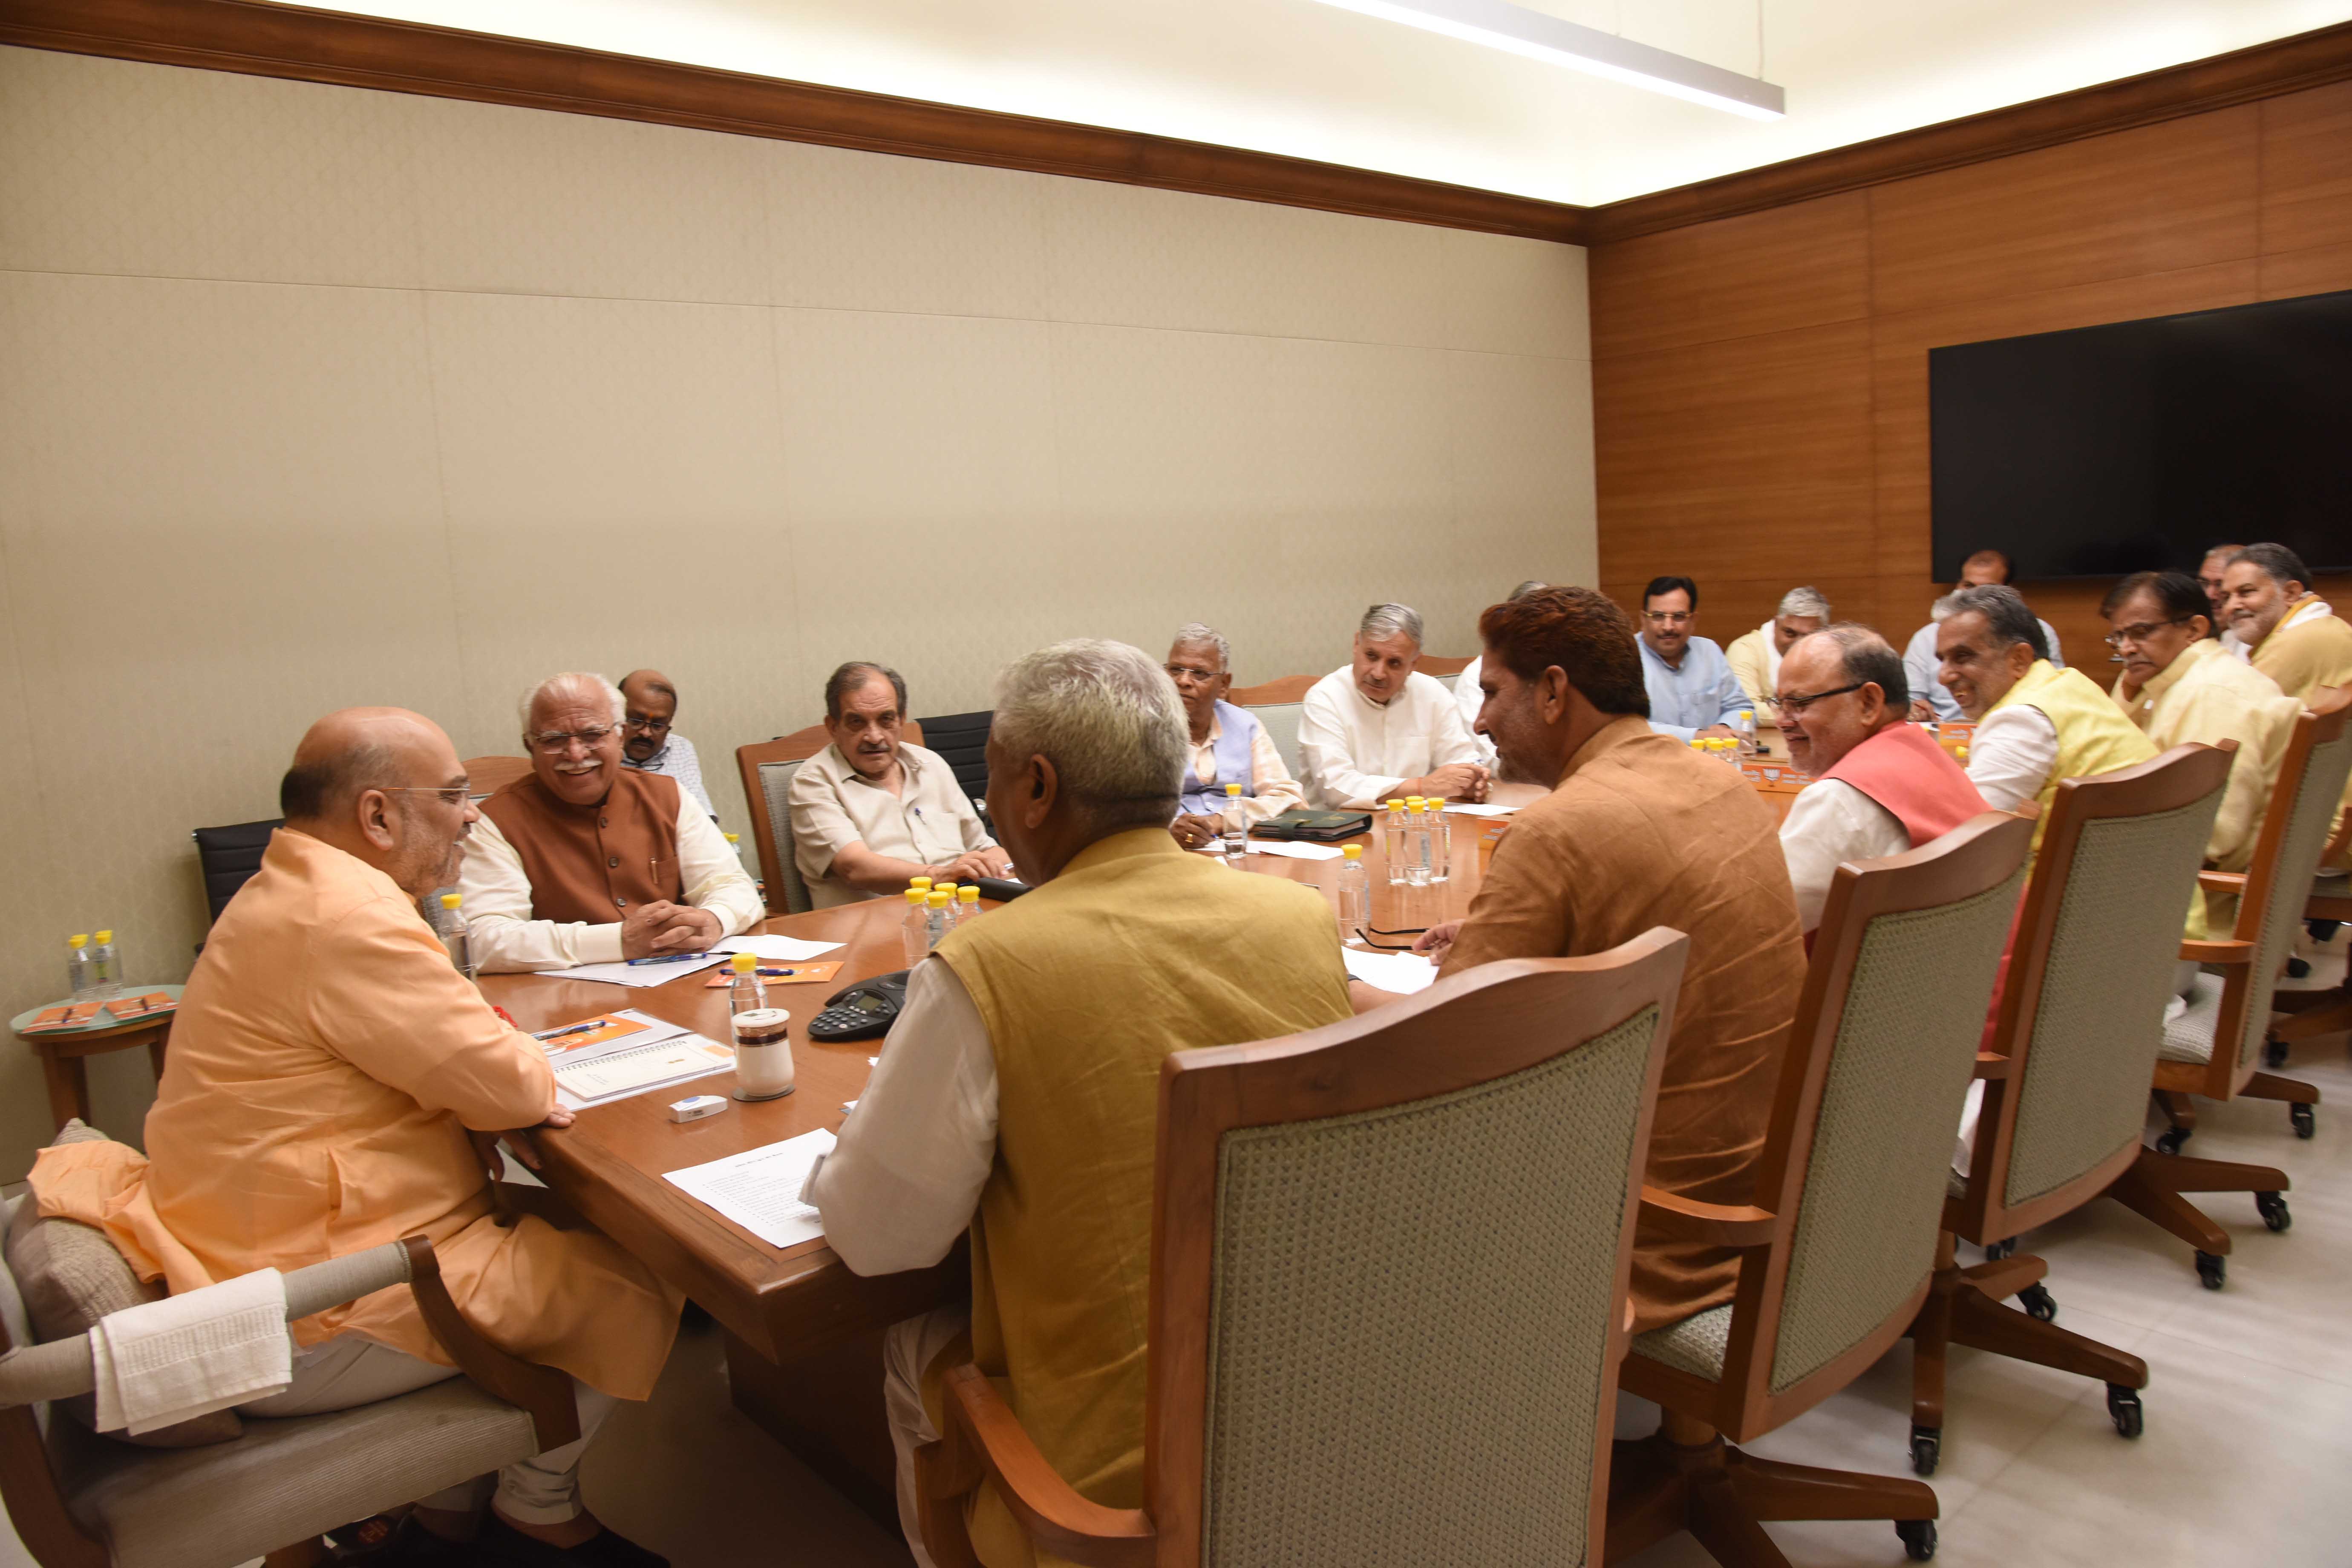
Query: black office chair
[[230, 855], [962, 740]]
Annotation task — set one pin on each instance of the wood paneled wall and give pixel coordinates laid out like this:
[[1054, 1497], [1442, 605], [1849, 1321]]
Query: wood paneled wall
[[1760, 381]]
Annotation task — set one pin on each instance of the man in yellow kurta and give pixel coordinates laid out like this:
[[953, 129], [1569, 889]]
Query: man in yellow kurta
[[1018, 1093], [335, 1083], [2290, 633], [2179, 685], [1755, 657]]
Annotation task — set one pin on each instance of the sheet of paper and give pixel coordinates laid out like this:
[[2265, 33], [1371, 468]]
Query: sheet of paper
[[1404, 972], [1464, 808], [785, 949], [759, 1189], [679, 1059], [1293, 851], [644, 975]]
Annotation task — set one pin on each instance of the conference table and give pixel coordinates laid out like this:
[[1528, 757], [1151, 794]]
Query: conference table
[[802, 1332]]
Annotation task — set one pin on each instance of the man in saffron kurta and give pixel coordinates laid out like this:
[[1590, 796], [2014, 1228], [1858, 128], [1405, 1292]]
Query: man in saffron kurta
[[327, 1067], [1639, 832], [1018, 1093], [1881, 786], [2179, 686]]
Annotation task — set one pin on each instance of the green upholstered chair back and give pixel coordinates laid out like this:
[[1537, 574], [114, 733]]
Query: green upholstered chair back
[[1875, 1177], [1281, 722], [1414, 1314], [775, 799], [2309, 815], [2107, 976]]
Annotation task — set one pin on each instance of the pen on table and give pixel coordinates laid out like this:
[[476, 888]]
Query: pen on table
[[666, 958], [574, 1029]]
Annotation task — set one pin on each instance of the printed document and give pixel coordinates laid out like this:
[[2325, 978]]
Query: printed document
[[785, 949], [759, 1189], [639, 974], [1404, 972]]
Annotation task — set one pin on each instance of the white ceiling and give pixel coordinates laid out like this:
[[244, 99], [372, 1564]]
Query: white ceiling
[[1307, 80]]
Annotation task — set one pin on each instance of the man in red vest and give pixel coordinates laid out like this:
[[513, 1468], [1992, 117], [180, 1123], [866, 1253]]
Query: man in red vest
[[584, 861], [1881, 785]]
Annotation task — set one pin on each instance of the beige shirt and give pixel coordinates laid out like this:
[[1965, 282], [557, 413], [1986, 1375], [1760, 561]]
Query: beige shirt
[[1278, 791], [2207, 696], [929, 821]]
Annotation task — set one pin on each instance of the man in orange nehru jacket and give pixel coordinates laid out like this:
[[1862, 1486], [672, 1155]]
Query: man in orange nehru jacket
[[585, 861]]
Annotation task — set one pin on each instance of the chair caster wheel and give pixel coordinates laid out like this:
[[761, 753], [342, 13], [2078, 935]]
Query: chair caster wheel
[[1927, 1447], [2273, 1053], [2211, 1269], [2038, 1303], [2170, 1143], [2272, 1208], [2306, 1122], [2298, 969], [1918, 1538], [1996, 1250], [2123, 1409]]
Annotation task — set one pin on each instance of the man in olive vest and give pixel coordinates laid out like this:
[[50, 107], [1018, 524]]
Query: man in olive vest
[[1018, 1093], [584, 861]]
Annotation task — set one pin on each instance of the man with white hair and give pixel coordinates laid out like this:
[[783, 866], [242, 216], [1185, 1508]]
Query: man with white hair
[[1229, 745], [1755, 657], [585, 861], [1018, 1092], [1376, 729]]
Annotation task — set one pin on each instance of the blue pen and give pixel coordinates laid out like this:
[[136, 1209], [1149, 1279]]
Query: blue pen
[[670, 958]]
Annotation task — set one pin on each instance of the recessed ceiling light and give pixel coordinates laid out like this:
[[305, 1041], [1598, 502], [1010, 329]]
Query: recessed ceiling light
[[1499, 24]]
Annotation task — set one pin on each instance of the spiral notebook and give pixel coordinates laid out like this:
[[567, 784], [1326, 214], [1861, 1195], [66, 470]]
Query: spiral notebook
[[616, 1075]]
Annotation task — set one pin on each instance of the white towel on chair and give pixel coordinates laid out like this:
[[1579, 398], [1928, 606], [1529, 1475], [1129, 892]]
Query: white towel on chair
[[185, 1356]]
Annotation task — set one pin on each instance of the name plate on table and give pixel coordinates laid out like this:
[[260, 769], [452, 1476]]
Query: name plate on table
[[1774, 778]]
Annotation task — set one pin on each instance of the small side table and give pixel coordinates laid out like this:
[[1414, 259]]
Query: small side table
[[62, 1052]]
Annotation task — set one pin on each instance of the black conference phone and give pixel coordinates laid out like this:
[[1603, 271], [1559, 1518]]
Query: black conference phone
[[861, 1012]]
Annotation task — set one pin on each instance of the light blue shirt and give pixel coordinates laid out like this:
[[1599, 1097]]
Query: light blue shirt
[[1920, 667], [1702, 692]]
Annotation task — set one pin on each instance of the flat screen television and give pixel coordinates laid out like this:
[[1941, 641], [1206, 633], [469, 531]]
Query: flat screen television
[[2136, 446]]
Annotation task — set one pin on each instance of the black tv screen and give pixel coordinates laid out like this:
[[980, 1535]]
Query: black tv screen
[[2134, 447]]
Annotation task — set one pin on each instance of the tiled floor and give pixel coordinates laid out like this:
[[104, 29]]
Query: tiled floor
[[2248, 1410]]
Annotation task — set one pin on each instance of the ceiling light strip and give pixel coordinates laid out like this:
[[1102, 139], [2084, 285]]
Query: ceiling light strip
[[1498, 25]]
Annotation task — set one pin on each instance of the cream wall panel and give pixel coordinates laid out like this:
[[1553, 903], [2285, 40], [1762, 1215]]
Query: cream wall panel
[[614, 487], [921, 485], [520, 201], [625, 394], [112, 166], [854, 231]]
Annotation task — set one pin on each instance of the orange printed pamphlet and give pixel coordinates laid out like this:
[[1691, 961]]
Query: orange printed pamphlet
[[73, 1016], [567, 1038], [127, 1008]]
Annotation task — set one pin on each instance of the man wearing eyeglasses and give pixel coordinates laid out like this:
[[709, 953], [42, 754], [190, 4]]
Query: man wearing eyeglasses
[[1229, 745], [2179, 685], [648, 744], [1880, 785], [585, 861], [1693, 693]]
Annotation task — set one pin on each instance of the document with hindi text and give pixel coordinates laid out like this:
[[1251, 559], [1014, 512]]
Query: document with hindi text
[[759, 1189]]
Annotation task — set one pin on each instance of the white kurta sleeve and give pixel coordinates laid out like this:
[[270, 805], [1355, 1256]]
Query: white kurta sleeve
[[902, 1183], [499, 925], [1450, 740], [1327, 748], [1278, 791], [1829, 823], [2011, 755], [711, 875]]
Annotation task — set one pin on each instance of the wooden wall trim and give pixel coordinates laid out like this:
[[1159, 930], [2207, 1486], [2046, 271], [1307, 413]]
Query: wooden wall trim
[[305, 45], [2266, 71]]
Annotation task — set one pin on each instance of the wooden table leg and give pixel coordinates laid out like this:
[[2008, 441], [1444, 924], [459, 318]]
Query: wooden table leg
[[827, 1410], [69, 1083], [156, 1053]]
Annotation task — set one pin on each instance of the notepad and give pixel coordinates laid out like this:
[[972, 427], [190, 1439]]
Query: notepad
[[657, 1065]]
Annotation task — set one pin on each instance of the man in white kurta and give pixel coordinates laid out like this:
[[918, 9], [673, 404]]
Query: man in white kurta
[[1469, 699], [2179, 685], [1376, 729]]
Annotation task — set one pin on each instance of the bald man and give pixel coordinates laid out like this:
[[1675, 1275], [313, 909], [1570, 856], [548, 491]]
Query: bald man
[[648, 744], [335, 1084], [584, 861]]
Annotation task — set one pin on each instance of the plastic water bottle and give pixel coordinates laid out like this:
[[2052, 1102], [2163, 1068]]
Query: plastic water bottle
[[746, 994], [1236, 825], [451, 927], [1441, 842], [80, 966], [1393, 842], [105, 968], [955, 912], [967, 905], [1355, 893], [735, 842], [915, 929], [1416, 841], [1743, 731], [936, 920]]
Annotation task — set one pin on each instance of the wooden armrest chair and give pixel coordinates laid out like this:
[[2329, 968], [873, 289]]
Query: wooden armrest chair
[[768, 769], [81, 1500], [487, 775], [2212, 1048], [1389, 1265], [1837, 1252], [2317, 1013], [2065, 1079], [1276, 704]]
